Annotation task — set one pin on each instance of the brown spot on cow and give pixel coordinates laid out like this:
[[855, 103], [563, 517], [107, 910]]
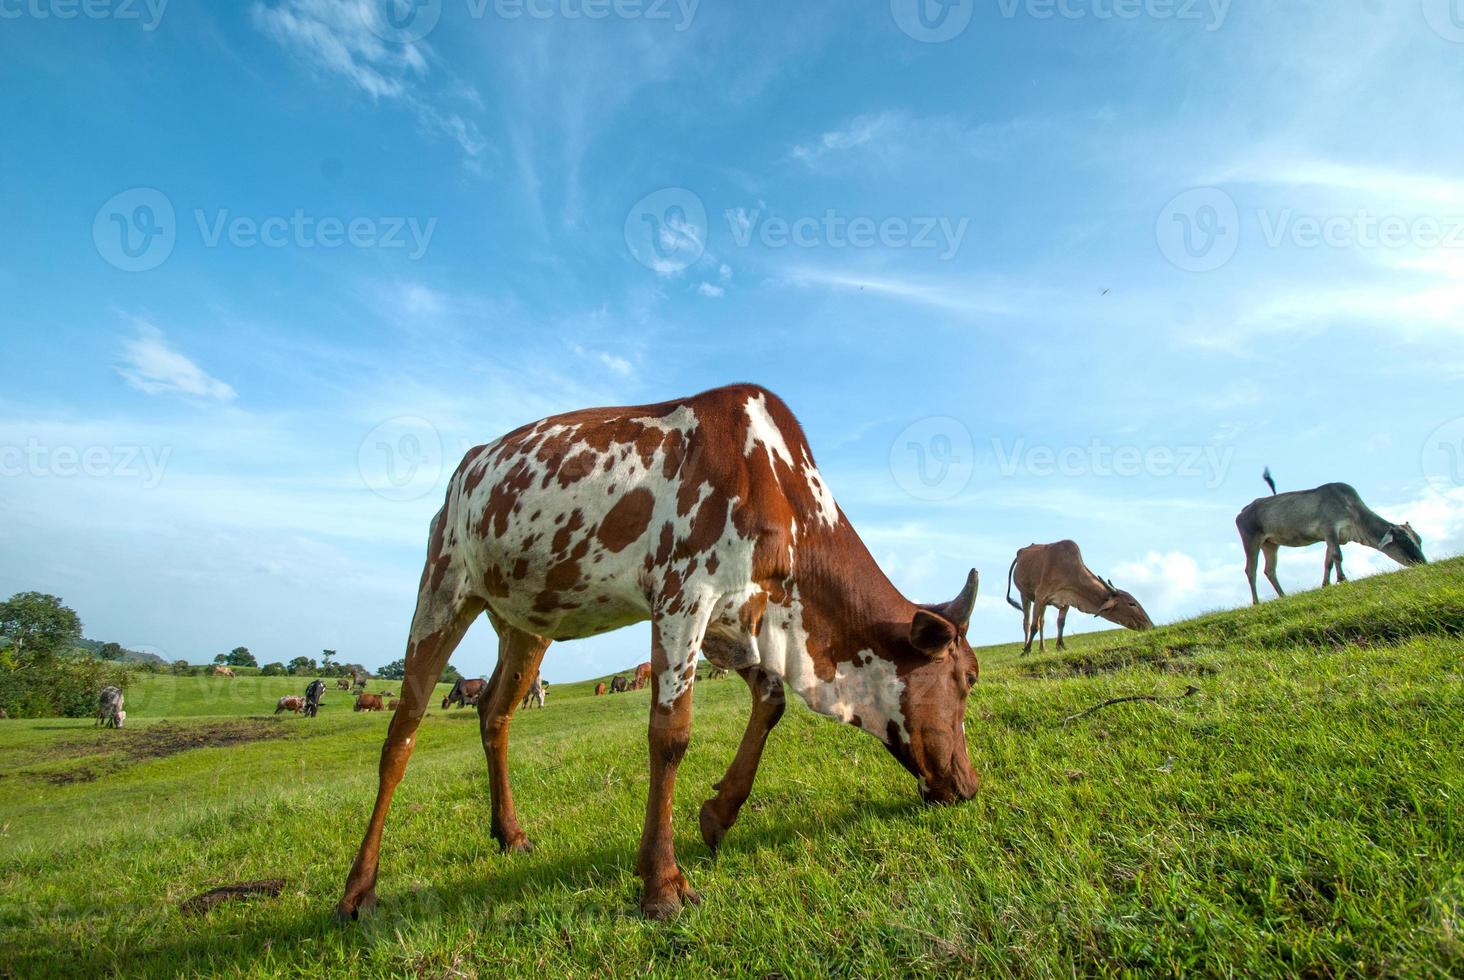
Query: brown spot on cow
[[627, 520]]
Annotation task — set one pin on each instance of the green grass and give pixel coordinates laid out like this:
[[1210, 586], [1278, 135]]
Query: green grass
[[1300, 815]]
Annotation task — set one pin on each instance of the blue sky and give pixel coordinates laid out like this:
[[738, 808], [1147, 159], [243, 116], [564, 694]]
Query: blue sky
[[1071, 271]]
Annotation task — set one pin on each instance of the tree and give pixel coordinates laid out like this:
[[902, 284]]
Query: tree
[[450, 675], [182, 667], [393, 671], [302, 665], [222, 658], [38, 624], [275, 669], [326, 656], [112, 651], [241, 657]]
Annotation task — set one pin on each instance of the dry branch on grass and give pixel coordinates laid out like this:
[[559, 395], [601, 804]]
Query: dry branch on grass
[[224, 893], [1188, 692]]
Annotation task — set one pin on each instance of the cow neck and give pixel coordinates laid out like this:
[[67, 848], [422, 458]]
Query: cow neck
[[848, 596]]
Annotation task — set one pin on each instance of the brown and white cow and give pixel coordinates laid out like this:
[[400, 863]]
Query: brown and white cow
[[465, 692], [1054, 575], [706, 516], [222, 672], [368, 702], [290, 702], [642, 677]]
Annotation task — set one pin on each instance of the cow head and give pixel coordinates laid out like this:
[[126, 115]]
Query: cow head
[[1122, 608], [1402, 544], [933, 746], [121, 717]]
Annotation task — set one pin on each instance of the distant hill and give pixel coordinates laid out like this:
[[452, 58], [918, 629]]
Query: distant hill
[[94, 647]]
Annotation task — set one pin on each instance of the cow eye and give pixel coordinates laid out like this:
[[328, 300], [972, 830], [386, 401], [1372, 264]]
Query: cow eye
[[970, 680]]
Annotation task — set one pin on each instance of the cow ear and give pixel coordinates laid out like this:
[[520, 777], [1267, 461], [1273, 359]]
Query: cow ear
[[931, 633], [1387, 539], [1110, 604]]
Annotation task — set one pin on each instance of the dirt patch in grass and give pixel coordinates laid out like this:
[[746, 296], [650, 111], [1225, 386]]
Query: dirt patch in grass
[[1173, 659], [107, 751]]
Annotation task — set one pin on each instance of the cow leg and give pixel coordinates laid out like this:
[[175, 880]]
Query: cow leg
[[437, 628], [1061, 622], [1252, 554], [1040, 626], [675, 643], [519, 656], [1337, 562], [720, 813], [1027, 631], [1269, 550], [1327, 563]]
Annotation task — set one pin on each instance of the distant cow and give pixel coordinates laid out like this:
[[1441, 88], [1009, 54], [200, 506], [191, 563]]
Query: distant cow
[[619, 685], [535, 693], [313, 693], [222, 672], [109, 707], [1333, 513], [465, 692], [343, 684], [388, 694], [393, 705], [717, 674], [642, 677], [599, 690], [290, 702], [368, 702], [1054, 575], [5, 714]]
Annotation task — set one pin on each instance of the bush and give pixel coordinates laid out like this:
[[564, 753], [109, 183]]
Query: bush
[[275, 669], [66, 687]]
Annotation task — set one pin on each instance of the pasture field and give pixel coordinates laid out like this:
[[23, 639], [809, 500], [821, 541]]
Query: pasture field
[[1301, 814]]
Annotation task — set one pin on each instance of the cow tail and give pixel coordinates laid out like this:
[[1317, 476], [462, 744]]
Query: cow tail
[[1269, 482], [1010, 573]]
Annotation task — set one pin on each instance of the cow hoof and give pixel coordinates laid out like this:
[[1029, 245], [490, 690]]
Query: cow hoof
[[518, 845], [712, 830], [668, 898], [350, 909]]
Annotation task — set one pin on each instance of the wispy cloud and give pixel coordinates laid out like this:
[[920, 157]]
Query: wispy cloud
[[150, 365], [964, 297]]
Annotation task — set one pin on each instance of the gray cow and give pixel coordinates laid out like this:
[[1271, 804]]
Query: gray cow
[[109, 708], [1333, 513]]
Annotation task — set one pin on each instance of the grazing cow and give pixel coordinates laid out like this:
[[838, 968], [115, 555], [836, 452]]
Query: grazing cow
[[5, 714], [599, 690], [222, 672], [1054, 575], [388, 694], [642, 677], [343, 684], [314, 691], [717, 674], [393, 705], [535, 694], [109, 707], [465, 692], [1333, 513], [708, 517], [290, 702], [619, 684], [368, 702]]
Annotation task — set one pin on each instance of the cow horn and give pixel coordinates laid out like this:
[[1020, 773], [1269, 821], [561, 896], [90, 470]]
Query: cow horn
[[958, 610]]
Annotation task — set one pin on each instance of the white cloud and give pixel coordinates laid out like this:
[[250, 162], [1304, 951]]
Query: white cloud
[[711, 291], [150, 365]]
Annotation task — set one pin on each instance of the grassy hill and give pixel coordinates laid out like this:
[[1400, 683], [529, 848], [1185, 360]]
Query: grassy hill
[[1302, 813]]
